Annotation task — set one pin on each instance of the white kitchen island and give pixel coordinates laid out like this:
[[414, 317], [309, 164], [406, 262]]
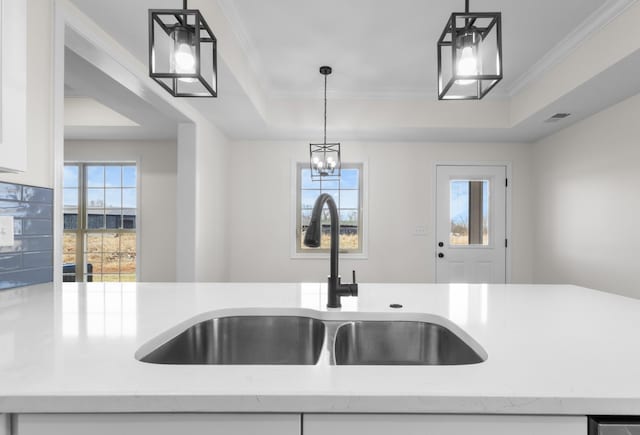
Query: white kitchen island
[[556, 354]]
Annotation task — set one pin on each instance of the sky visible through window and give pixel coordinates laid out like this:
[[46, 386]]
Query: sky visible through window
[[460, 200], [122, 178]]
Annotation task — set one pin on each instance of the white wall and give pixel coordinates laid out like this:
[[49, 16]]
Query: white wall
[[212, 195], [157, 209], [400, 197], [40, 168], [203, 160], [588, 202]]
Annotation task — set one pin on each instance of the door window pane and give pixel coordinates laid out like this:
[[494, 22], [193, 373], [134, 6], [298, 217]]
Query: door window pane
[[469, 212]]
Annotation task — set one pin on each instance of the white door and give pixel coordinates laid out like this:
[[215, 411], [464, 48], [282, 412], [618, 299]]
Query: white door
[[471, 239]]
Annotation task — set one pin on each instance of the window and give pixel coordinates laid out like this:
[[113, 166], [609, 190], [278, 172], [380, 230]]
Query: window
[[469, 212], [346, 192], [100, 213]]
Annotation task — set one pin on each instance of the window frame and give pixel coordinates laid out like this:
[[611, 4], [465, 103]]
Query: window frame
[[296, 204], [82, 231]]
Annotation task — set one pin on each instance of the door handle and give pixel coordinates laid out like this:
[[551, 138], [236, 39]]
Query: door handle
[[441, 244], [440, 255]]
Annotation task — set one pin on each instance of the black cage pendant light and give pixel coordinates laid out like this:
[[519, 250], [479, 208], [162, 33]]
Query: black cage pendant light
[[325, 157], [470, 55], [183, 52]]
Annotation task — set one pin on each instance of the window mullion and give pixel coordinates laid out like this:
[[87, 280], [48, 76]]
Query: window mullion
[[80, 237]]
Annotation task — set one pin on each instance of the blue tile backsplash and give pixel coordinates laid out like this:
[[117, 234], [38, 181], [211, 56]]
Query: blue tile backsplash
[[30, 260]]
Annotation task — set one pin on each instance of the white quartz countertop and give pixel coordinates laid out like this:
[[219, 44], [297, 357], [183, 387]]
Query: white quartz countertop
[[551, 350]]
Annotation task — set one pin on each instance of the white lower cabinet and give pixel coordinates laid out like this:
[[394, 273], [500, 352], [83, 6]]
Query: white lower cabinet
[[409, 424], [290, 424], [157, 424]]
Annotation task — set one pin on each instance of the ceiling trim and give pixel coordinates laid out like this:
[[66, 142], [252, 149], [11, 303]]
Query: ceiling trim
[[594, 23]]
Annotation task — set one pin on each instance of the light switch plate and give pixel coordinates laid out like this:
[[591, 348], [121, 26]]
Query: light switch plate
[[6, 230]]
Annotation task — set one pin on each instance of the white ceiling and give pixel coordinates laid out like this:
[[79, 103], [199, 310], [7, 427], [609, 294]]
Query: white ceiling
[[385, 48], [85, 80], [377, 48], [380, 50]]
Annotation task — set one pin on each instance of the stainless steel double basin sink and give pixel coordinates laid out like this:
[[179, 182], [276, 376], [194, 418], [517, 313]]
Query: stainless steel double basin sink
[[286, 339]]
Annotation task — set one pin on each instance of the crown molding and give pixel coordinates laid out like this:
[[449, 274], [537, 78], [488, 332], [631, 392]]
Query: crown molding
[[595, 22]]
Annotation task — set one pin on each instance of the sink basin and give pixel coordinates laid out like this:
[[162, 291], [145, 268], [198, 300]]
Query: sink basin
[[400, 343], [245, 340]]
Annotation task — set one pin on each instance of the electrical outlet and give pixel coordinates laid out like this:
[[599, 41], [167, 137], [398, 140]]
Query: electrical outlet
[[421, 230], [6, 230]]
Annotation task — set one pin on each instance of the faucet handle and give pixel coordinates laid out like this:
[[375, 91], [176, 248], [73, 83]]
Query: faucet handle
[[353, 288]]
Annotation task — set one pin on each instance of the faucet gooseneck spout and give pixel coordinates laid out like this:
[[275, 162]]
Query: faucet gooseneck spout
[[312, 239]]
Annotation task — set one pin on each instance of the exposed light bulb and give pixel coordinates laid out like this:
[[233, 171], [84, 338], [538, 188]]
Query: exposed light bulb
[[185, 60], [315, 160], [467, 65]]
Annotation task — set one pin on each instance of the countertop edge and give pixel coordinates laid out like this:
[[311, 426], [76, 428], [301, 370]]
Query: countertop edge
[[167, 403]]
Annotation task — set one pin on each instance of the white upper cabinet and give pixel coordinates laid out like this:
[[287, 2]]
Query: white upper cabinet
[[13, 89]]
